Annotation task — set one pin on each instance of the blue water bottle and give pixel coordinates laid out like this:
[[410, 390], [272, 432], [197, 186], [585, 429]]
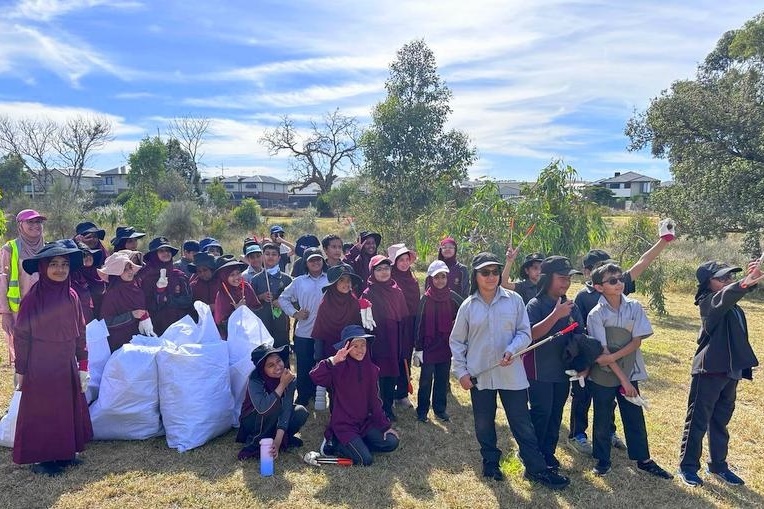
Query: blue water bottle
[[266, 460]]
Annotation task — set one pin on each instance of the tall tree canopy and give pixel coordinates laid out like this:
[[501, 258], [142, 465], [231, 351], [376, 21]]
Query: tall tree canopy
[[711, 130], [411, 160]]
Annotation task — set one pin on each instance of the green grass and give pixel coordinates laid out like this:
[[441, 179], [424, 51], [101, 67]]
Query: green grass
[[437, 465]]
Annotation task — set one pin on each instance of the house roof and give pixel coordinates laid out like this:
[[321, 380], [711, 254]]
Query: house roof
[[119, 170], [263, 179], [629, 176]]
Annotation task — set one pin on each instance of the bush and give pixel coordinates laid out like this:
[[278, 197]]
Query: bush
[[305, 222], [179, 221], [248, 214], [142, 210], [110, 215], [64, 209]]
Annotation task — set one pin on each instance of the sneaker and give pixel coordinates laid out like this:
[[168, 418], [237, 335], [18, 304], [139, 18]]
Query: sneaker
[[653, 468], [443, 416], [74, 462], [601, 468], [548, 478], [728, 476], [294, 442], [404, 403], [49, 468], [493, 472], [690, 478], [581, 445], [617, 443], [327, 448], [422, 418]]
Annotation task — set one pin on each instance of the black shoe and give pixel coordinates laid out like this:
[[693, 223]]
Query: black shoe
[[74, 462], [729, 477], [327, 448], [601, 468], [294, 442], [422, 418], [549, 479], [552, 463], [493, 472], [49, 468], [443, 416], [653, 468]]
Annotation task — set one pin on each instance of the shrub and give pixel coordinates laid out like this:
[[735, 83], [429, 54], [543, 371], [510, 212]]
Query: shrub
[[248, 214], [179, 221], [142, 210], [305, 222]]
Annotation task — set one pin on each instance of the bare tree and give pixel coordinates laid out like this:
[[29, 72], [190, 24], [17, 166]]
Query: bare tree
[[45, 145], [33, 140], [75, 143], [330, 147], [190, 131]]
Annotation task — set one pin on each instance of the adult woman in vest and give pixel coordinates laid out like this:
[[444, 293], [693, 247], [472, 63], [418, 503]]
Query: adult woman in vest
[[14, 282]]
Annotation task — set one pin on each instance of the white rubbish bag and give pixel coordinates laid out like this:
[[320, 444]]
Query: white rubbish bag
[[8, 421], [97, 337]]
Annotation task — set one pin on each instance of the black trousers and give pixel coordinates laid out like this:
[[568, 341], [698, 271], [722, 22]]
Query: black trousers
[[402, 382], [633, 419], [547, 401], [360, 448], [580, 404], [440, 372], [709, 408], [387, 393], [515, 405], [303, 351]]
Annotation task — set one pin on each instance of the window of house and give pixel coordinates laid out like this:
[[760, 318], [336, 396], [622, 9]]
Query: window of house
[[614, 186], [229, 186], [627, 185], [109, 181], [645, 187], [250, 186]]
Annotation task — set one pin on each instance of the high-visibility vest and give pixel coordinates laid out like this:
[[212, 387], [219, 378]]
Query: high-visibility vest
[[14, 290]]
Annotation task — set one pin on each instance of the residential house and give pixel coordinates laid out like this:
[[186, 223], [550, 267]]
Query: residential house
[[268, 191], [114, 181], [89, 181], [629, 185]]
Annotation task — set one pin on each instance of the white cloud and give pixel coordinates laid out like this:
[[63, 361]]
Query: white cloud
[[47, 10]]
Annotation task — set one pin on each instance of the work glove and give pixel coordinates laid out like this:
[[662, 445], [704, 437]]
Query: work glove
[[367, 318], [574, 376], [146, 328], [418, 358], [666, 229], [636, 400], [162, 282], [84, 380]]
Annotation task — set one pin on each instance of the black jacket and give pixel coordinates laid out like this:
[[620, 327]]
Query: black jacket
[[723, 346]]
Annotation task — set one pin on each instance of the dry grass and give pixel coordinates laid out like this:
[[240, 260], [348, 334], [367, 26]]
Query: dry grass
[[436, 466]]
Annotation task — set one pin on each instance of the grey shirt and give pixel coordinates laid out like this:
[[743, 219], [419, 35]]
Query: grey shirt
[[483, 332], [629, 316]]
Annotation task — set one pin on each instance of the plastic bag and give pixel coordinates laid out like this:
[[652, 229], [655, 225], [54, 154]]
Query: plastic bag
[[8, 421], [97, 336]]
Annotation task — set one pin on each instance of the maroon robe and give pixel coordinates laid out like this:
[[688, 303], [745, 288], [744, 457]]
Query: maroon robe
[[410, 288], [227, 297], [168, 306], [388, 306], [204, 291], [435, 319], [119, 301], [359, 260], [335, 312], [356, 407], [49, 336]]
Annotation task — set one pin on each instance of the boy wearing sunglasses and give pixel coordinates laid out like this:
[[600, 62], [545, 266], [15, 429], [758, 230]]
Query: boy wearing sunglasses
[[620, 324], [723, 358]]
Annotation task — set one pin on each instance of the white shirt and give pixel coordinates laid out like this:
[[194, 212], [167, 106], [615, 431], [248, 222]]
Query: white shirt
[[306, 291]]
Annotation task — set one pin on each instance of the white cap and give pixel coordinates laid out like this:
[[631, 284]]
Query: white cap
[[437, 267]]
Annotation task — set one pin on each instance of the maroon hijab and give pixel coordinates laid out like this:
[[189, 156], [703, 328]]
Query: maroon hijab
[[386, 300], [122, 296], [51, 308], [410, 288], [335, 312], [439, 313]]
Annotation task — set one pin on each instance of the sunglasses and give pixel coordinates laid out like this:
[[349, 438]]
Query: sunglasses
[[488, 272], [613, 280], [726, 277]]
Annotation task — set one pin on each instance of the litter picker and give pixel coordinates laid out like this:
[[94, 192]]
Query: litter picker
[[316, 459], [533, 346]]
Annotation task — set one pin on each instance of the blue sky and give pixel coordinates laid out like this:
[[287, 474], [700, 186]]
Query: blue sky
[[531, 80]]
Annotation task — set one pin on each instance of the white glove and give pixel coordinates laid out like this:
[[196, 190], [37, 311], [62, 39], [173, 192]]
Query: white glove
[[84, 380], [639, 401], [146, 328], [575, 376], [162, 281], [367, 319], [666, 229], [418, 358]]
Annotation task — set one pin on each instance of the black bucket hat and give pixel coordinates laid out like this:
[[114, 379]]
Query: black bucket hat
[[124, 233], [351, 332], [262, 352], [304, 243], [335, 273], [554, 265], [88, 227], [97, 254], [223, 263], [191, 245], [203, 260], [159, 243], [376, 236], [531, 259], [64, 247], [595, 258]]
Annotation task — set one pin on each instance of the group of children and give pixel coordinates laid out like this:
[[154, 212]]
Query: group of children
[[360, 322]]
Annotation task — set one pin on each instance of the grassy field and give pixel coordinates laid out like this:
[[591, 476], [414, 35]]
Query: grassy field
[[437, 465]]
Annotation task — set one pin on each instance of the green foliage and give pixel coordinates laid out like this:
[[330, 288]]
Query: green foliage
[[710, 130], [108, 215], [411, 161], [172, 186], [305, 222], [337, 201], [599, 195], [179, 221], [13, 178], [143, 209], [629, 242], [147, 164], [248, 214], [64, 208], [123, 197], [218, 195], [181, 163]]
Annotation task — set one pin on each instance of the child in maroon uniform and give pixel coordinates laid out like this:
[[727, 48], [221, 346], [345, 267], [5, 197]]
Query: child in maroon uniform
[[233, 293], [358, 425]]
